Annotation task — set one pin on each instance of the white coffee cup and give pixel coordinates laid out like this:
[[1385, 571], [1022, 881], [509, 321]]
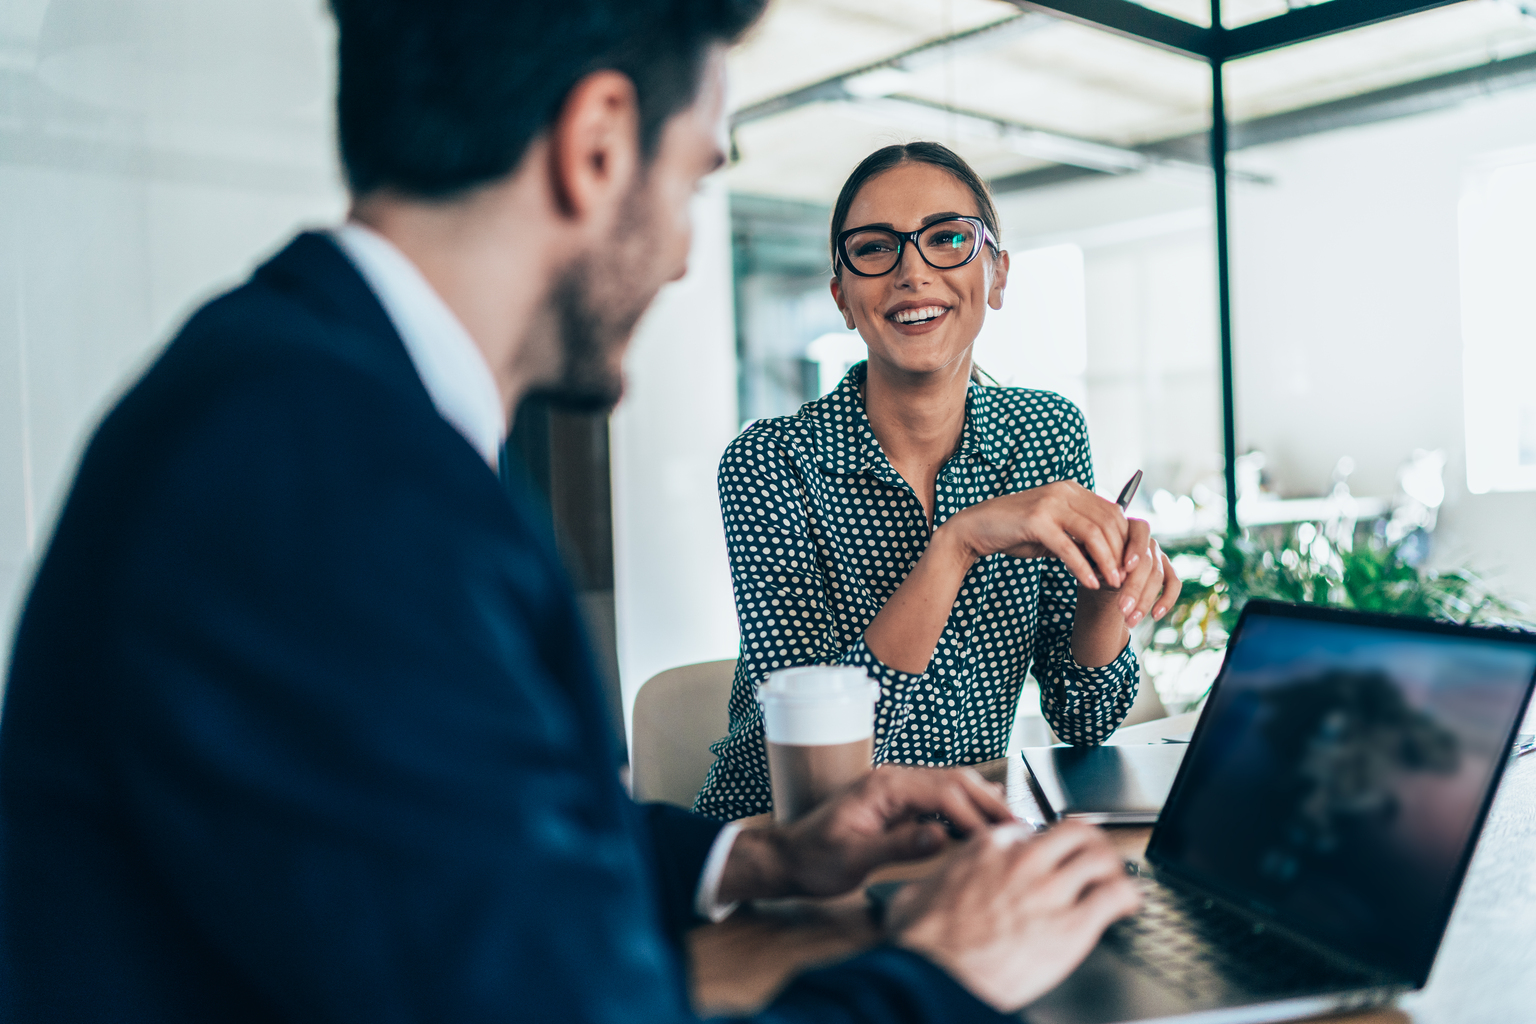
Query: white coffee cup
[[819, 723]]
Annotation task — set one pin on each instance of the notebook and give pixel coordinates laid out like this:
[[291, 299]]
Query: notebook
[[1111, 785]]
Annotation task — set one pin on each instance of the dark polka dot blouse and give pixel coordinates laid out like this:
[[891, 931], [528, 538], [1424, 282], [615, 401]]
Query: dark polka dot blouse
[[821, 530]]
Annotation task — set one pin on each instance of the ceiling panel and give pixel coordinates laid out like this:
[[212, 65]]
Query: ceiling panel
[[1403, 50], [803, 41], [1063, 78], [807, 153]]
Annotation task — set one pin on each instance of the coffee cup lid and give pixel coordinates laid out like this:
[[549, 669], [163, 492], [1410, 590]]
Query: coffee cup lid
[[817, 683]]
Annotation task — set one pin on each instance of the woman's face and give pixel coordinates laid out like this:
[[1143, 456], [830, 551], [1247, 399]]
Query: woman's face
[[948, 305]]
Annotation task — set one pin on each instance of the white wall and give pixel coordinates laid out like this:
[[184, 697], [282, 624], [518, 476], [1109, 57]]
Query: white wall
[[1348, 321], [1151, 392], [125, 207], [197, 152], [671, 579], [1346, 315]]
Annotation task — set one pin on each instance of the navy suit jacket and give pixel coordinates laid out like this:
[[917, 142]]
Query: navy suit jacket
[[302, 724]]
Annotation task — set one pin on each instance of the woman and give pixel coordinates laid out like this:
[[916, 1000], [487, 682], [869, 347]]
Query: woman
[[943, 535]]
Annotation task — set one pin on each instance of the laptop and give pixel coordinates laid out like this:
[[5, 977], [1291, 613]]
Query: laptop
[[1103, 785], [1313, 843]]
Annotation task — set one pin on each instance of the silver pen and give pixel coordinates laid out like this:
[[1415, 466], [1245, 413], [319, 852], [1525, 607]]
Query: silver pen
[[1128, 491]]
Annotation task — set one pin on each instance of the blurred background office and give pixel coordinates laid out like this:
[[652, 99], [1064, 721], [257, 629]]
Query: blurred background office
[[1383, 249]]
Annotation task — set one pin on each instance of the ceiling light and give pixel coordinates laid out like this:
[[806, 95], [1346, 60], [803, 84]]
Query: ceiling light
[[877, 83]]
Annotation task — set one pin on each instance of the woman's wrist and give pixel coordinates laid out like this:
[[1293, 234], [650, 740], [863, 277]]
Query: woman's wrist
[[903, 636], [1098, 628], [953, 541]]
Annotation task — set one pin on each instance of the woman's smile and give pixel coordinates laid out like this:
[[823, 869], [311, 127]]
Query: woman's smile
[[918, 317]]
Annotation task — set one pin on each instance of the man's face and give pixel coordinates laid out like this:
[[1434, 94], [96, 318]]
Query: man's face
[[602, 296]]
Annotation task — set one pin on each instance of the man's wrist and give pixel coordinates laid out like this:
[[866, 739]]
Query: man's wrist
[[758, 868]]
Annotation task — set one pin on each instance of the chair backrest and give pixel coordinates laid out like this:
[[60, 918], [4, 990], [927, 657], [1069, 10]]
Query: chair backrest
[[1148, 705], [678, 714]]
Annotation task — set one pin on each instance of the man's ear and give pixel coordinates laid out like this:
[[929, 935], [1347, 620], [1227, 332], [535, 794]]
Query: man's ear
[[999, 280], [837, 297], [595, 145]]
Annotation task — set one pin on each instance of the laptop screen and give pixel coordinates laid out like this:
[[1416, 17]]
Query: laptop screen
[[1341, 772]]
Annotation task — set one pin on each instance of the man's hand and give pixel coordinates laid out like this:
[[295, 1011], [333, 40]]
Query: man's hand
[[1012, 914], [873, 822]]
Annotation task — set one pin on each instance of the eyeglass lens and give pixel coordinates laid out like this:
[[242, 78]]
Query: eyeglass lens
[[947, 243]]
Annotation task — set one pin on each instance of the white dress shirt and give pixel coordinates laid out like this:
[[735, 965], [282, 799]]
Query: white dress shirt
[[446, 358], [456, 376]]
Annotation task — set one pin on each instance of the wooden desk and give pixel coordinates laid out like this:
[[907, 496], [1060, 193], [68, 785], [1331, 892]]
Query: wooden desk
[[1486, 970]]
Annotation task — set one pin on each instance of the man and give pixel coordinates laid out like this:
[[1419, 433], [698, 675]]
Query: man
[[301, 725]]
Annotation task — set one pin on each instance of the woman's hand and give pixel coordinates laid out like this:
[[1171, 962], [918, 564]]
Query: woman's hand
[[1104, 550], [1064, 520], [1150, 585]]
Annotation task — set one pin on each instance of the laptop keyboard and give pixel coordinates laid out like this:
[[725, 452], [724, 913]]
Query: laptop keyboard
[[1201, 947]]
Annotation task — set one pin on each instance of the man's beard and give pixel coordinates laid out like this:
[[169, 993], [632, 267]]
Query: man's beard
[[597, 302]]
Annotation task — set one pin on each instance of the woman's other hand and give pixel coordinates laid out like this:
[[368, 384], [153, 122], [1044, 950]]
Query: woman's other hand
[[1150, 586], [1104, 550], [1063, 520]]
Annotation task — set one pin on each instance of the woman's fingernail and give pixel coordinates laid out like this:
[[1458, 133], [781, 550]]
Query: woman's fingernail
[[1130, 563], [1126, 605], [1136, 618]]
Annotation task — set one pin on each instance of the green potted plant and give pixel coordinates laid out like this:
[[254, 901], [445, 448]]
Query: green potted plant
[[1300, 564]]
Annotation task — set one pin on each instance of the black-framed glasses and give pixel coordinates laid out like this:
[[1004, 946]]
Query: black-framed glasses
[[943, 245]]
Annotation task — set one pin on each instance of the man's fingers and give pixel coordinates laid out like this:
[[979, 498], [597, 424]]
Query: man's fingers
[[959, 794], [1105, 904], [910, 841], [960, 808], [1076, 876], [967, 800], [969, 803], [1080, 927], [988, 796], [1050, 849]]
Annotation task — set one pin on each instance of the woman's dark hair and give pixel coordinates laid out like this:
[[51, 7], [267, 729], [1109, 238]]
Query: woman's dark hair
[[882, 160], [435, 98]]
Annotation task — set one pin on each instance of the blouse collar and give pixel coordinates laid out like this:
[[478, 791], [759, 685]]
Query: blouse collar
[[845, 443]]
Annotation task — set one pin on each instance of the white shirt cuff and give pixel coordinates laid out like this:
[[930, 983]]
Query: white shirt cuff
[[706, 901]]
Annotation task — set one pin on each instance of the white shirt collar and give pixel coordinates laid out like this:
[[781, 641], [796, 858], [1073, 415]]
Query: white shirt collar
[[450, 364]]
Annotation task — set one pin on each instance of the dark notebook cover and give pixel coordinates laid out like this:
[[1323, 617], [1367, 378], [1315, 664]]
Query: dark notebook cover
[[1104, 785]]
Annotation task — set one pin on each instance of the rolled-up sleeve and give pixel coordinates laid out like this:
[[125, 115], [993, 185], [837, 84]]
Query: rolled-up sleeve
[[1083, 705]]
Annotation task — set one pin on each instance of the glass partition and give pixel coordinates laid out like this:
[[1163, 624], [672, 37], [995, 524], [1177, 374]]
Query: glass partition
[[149, 154]]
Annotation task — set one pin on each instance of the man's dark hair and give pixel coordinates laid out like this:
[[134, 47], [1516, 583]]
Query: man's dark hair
[[439, 96]]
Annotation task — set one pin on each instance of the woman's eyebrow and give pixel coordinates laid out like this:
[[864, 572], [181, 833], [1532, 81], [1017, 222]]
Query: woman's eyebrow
[[932, 218]]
